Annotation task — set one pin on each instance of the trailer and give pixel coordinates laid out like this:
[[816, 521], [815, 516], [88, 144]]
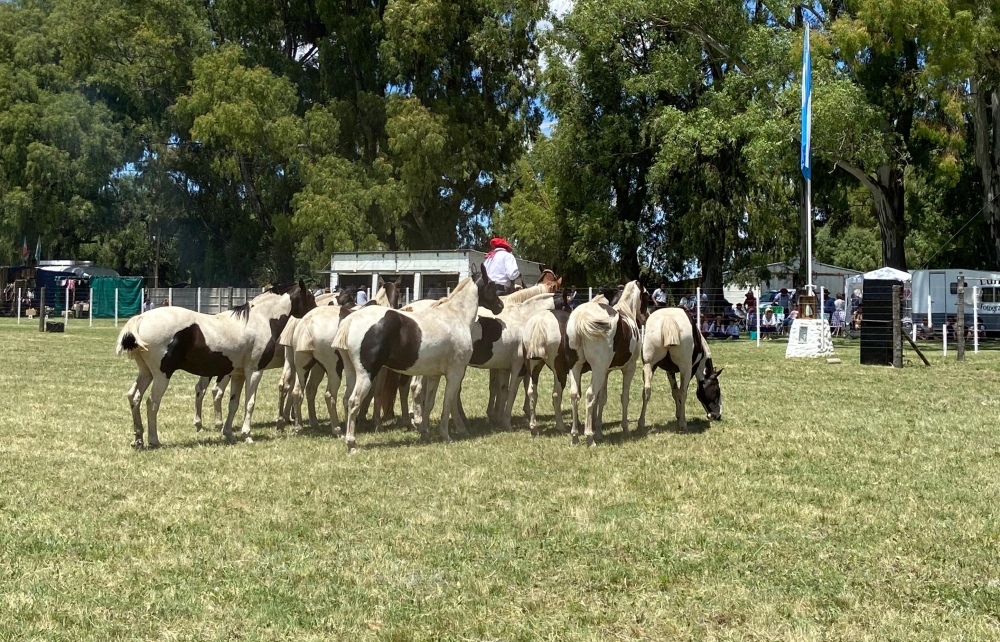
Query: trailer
[[942, 288]]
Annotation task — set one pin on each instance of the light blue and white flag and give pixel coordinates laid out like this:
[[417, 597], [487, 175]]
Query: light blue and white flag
[[805, 161]]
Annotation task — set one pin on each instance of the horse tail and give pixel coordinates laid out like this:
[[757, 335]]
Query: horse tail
[[340, 340], [670, 331], [584, 325], [387, 395], [128, 339], [536, 341]]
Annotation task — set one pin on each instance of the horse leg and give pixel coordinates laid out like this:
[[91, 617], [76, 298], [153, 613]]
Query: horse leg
[[524, 406], [377, 397], [531, 397], [199, 395], [452, 388], [558, 388], [160, 383], [314, 377], [301, 372], [403, 387], [491, 410], [416, 401], [458, 415], [679, 392], [332, 387], [602, 401], [218, 392], [285, 388], [598, 379], [362, 385], [574, 399], [428, 394], [647, 392], [235, 390], [628, 372], [134, 396], [251, 401]]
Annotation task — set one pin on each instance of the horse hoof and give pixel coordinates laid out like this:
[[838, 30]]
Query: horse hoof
[[153, 445], [198, 427], [352, 447], [138, 445], [575, 439], [247, 440], [591, 442]]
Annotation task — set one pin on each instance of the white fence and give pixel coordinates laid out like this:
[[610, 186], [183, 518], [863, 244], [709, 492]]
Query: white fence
[[207, 300]]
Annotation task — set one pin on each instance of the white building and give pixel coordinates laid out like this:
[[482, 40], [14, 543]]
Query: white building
[[830, 277], [419, 270]]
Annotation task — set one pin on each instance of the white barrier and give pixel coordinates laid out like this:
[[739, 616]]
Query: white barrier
[[697, 298], [756, 313], [944, 337], [116, 307]]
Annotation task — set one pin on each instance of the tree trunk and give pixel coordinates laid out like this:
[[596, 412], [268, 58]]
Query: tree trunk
[[711, 259], [890, 208], [986, 120]]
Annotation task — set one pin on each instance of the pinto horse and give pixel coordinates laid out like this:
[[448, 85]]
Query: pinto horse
[[674, 343], [432, 342], [165, 340], [606, 338]]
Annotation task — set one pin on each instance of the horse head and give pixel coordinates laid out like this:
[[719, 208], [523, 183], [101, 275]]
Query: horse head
[[489, 292], [302, 299], [347, 296], [709, 392], [393, 291]]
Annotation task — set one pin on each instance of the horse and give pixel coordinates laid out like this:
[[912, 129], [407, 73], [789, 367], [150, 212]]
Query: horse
[[223, 382], [433, 342], [607, 338], [674, 343], [312, 354], [165, 340], [544, 341]]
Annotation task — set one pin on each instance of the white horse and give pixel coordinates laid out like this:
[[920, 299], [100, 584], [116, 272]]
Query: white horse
[[433, 342], [388, 295], [673, 343], [165, 340], [606, 338]]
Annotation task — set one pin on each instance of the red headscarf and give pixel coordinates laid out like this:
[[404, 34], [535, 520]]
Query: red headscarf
[[498, 243]]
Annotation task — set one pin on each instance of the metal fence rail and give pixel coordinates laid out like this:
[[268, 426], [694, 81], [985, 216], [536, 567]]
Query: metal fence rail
[[206, 300]]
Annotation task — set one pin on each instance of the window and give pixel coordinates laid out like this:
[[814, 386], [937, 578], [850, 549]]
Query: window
[[987, 295]]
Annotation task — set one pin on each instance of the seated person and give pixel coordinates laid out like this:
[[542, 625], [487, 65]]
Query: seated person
[[769, 322], [752, 320], [717, 329], [970, 333], [706, 327], [740, 313], [733, 330], [787, 321]]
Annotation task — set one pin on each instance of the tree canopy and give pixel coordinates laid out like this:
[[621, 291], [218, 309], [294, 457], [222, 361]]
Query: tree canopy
[[251, 138]]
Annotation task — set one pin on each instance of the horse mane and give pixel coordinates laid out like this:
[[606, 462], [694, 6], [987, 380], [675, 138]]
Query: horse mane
[[630, 301], [523, 295], [281, 289], [241, 312]]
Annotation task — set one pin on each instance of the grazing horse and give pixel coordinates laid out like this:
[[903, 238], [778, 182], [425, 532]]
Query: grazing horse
[[165, 340], [674, 343], [606, 338], [433, 342]]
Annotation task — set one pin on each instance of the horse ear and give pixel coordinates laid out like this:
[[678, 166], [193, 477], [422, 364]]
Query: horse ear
[[718, 372], [302, 285], [482, 271], [381, 283], [398, 282], [559, 282]]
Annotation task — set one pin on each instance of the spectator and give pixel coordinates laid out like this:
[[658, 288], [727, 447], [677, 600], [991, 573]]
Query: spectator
[[739, 313], [319, 291], [164, 303], [782, 299], [500, 264], [769, 322], [733, 330], [970, 333], [838, 317], [706, 327], [571, 297], [790, 318], [750, 302], [362, 296], [147, 305], [829, 306], [717, 329], [729, 311], [660, 296], [752, 320]]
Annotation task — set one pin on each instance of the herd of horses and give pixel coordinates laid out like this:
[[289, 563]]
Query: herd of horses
[[381, 349]]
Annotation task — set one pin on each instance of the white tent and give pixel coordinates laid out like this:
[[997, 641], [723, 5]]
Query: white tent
[[887, 274]]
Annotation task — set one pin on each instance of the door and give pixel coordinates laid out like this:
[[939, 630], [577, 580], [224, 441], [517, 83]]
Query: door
[[938, 288]]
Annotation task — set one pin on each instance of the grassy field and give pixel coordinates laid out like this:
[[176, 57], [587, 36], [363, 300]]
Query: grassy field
[[833, 502]]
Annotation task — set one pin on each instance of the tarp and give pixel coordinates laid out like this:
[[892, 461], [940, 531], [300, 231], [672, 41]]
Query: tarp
[[129, 296]]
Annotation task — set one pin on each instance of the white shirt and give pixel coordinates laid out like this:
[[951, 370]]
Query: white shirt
[[362, 298], [501, 268], [660, 296]]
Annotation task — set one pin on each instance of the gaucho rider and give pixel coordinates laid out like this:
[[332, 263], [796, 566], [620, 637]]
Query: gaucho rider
[[500, 264]]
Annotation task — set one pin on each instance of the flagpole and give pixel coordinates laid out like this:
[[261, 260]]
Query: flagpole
[[809, 237], [805, 161]]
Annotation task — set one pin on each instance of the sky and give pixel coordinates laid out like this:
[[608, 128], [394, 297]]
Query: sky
[[559, 7]]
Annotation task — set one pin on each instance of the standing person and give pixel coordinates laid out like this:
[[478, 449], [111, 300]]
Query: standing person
[[783, 300], [362, 297], [750, 302], [660, 296], [500, 264], [571, 297], [147, 305]]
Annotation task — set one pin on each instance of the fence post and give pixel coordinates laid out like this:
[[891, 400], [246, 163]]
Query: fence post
[[90, 314], [116, 307], [590, 294], [19, 306], [944, 337], [756, 312], [447, 291], [41, 311], [930, 323], [975, 319], [697, 304], [66, 311], [170, 297], [407, 295], [199, 299], [897, 329], [960, 321]]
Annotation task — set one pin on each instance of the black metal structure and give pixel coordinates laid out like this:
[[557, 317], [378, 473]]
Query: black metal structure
[[876, 322]]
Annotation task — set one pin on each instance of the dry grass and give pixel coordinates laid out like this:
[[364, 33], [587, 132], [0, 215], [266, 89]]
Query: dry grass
[[832, 502]]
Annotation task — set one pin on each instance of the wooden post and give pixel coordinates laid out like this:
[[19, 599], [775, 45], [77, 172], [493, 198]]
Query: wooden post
[[960, 320], [41, 310], [897, 328]]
